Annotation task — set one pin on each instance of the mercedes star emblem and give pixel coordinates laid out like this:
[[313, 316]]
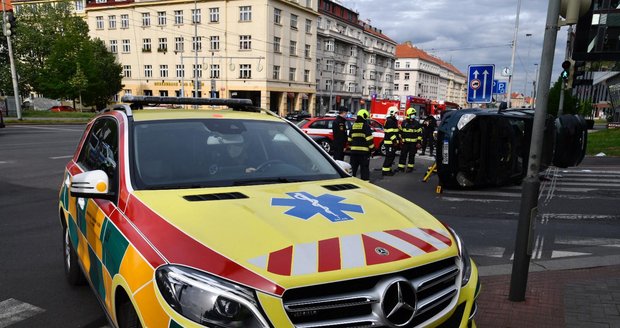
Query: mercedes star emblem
[[382, 251], [399, 303]]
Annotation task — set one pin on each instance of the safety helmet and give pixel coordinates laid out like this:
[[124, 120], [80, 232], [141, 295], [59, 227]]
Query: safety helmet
[[411, 111], [392, 111], [363, 113]]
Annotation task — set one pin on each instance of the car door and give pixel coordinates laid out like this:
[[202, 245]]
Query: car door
[[99, 152]]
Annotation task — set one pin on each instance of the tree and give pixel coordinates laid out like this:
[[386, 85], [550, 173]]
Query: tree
[[553, 104], [103, 74]]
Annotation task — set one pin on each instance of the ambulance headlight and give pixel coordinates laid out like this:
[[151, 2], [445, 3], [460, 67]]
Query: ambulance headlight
[[208, 300], [464, 257]]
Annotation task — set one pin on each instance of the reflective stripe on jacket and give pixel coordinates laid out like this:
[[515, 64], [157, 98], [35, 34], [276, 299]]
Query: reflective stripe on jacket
[[391, 131], [411, 131], [360, 137]]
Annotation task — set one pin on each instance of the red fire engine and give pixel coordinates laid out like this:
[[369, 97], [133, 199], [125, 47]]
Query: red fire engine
[[379, 108]]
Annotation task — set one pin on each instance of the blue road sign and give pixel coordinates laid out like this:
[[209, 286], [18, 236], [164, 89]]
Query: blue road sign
[[499, 87], [480, 83]]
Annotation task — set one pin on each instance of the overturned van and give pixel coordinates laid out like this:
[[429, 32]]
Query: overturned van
[[479, 147]]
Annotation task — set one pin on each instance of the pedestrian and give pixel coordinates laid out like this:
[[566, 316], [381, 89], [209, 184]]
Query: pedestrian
[[411, 135], [339, 132], [430, 124], [390, 140], [361, 141]]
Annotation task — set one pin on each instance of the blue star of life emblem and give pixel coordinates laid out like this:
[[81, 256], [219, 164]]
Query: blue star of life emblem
[[304, 206]]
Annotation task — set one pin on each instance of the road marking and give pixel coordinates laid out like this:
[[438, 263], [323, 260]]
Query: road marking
[[456, 199], [488, 251], [571, 216], [47, 128], [559, 254], [13, 311], [61, 157]]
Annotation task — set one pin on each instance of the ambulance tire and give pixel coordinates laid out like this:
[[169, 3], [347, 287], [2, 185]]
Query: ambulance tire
[[73, 272], [127, 316]]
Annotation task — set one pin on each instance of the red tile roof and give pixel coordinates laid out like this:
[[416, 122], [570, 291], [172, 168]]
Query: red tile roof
[[407, 50]]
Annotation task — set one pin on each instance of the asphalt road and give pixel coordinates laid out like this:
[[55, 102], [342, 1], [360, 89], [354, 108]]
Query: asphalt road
[[578, 225]]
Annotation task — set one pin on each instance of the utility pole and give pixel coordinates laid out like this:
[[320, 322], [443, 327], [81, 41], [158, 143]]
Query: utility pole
[[514, 50], [197, 83], [331, 86], [18, 104], [531, 183], [529, 45], [567, 55]]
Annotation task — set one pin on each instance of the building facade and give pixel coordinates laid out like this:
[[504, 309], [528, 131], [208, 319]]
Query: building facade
[[421, 75], [355, 61], [262, 50]]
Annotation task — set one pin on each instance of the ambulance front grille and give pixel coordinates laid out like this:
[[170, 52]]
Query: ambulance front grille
[[357, 303]]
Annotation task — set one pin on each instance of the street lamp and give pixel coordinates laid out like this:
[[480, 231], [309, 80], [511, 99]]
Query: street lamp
[[514, 49], [534, 86], [527, 36]]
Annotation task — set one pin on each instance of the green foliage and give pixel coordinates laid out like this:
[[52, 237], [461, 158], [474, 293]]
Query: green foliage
[[58, 59], [553, 104]]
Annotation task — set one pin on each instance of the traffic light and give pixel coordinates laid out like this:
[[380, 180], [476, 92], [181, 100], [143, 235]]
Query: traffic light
[[566, 65], [577, 69], [8, 27], [571, 10]]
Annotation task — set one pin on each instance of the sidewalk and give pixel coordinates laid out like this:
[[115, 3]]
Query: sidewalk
[[581, 298]]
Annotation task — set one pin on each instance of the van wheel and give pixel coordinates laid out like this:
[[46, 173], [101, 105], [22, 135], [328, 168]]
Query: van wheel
[[73, 272], [127, 316]]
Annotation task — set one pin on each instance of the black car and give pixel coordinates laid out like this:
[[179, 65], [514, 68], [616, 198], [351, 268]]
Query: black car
[[481, 147], [297, 115]]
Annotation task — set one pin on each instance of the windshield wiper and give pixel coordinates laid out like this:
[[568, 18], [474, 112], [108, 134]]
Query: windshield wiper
[[266, 181]]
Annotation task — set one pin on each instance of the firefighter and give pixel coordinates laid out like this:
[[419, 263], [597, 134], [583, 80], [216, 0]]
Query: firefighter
[[411, 135], [339, 131], [361, 141], [430, 124], [390, 140]]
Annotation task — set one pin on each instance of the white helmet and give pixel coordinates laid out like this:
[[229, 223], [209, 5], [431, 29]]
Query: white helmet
[[392, 111]]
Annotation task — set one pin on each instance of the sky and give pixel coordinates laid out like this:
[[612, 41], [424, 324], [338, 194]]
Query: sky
[[469, 32]]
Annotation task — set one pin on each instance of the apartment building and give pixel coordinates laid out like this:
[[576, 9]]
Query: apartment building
[[355, 61], [257, 49], [419, 74]]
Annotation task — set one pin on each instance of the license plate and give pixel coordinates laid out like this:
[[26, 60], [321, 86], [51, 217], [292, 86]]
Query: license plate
[[445, 152]]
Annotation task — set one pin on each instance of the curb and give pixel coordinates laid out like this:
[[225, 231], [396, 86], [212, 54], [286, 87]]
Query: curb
[[552, 265]]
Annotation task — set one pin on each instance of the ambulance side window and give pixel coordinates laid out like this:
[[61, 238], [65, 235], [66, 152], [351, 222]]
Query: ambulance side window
[[100, 151]]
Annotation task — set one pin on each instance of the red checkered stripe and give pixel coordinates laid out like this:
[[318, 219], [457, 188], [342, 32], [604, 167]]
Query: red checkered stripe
[[353, 251]]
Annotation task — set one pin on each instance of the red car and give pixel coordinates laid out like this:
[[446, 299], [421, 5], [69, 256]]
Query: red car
[[320, 129], [62, 109]]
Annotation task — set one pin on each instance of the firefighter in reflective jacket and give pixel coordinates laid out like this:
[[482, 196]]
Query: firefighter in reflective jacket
[[361, 141], [411, 135], [390, 140]]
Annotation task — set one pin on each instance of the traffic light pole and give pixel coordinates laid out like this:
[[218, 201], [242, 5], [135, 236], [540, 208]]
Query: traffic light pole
[[531, 183], [18, 104], [567, 55]]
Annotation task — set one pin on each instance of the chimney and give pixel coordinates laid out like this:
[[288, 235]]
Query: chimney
[[408, 43]]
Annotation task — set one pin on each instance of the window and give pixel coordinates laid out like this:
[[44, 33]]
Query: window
[[293, 21], [245, 71], [328, 85], [329, 65], [407, 65], [101, 149], [79, 5], [245, 13], [126, 46], [395, 87], [352, 87], [397, 65], [214, 41], [99, 22], [308, 26], [148, 70], [124, 21], [163, 93], [245, 42], [352, 69], [329, 45], [307, 51], [197, 70], [146, 45], [146, 19], [178, 44], [196, 17], [126, 70], [372, 59], [277, 16], [178, 17], [276, 44], [112, 22], [292, 72], [214, 15], [180, 70], [407, 76], [406, 87], [293, 48], [397, 76], [372, 75], [353, 51], [113, 46], [161, 18], [215, 71], [306, 75], [196, 43], [163, 70], [276, 72], [162, 45]]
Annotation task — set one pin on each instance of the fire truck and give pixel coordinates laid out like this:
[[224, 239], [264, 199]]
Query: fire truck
[[379, 108], [425, 107]]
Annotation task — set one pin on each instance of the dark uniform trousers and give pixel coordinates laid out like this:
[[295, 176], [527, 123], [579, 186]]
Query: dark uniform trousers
[[389, 141], [361, 161], [361, 141], [411, 132]]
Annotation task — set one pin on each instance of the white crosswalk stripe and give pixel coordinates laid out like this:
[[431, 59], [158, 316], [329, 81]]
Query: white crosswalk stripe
[[13, 311]]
